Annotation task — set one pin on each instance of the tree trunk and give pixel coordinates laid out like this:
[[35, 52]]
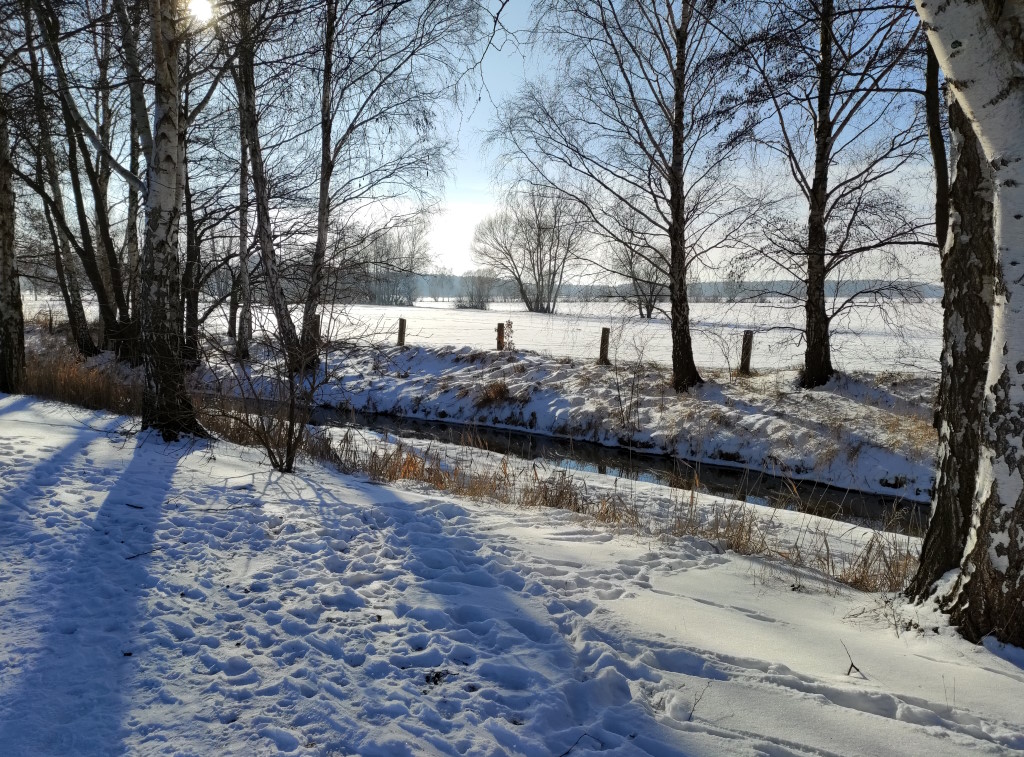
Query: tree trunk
[[120, 333], [286, 332], [86, 249], [168, 407], [968, 270], [937, 142], [684, 370], [67, 280], [46, 171], [131, 226], [818, 355], [233, 307], [311, 336], [12, 322], [980, 47], [244, 333], [98, 171], [190, 277]]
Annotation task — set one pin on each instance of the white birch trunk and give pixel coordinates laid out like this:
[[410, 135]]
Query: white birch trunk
[[168, 407], [980, 46]]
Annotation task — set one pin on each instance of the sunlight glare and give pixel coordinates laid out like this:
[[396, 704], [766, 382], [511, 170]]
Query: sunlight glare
[[202, 10]]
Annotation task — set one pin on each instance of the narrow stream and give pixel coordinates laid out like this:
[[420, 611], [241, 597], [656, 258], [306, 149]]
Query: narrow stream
[[732, 482]]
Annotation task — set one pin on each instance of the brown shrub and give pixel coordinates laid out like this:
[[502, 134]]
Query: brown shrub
[[60, 374], [493, 393]]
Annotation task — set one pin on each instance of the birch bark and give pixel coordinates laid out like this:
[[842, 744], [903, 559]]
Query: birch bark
[[168, 406], [980, 46], [968, 271]]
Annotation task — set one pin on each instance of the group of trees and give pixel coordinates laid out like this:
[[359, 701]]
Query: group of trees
[[149, 153], [765, 136], [154, 152]]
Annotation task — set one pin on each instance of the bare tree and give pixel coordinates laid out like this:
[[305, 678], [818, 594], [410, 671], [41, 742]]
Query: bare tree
[[833, 77], [534, 240], [638, 118], [476, 289], [87, 130], [395, 260], [255, 22], [378, 99], [638, 254], [647, 284], [440, 282], [48, 187], [169, 408]]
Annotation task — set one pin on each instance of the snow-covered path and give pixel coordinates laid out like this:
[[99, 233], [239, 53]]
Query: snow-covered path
[[187, 600]]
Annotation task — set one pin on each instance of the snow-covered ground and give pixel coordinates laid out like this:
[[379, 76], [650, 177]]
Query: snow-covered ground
[[870, 435], [184, 599]]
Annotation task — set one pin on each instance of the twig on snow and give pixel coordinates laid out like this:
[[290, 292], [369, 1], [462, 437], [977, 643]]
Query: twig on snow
[[852, 667]]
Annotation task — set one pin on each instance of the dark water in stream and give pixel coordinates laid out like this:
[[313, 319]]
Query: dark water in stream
[[732, 482]]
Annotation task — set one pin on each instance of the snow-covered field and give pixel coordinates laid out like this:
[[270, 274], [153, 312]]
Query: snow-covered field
[[182, 599], [909, 341]]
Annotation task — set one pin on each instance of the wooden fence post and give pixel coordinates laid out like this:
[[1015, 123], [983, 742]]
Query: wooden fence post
[[501, 337], [606, 335], [401, 332], [748, 348]]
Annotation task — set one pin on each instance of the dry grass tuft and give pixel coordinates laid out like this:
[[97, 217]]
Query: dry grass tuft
[[886, 563], [730, 526], [559, 490], [60, 374], [493, 393], [910, 434]]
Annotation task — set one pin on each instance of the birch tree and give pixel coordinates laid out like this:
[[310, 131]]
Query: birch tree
[[980, 47], [168, 407], [384, 69]]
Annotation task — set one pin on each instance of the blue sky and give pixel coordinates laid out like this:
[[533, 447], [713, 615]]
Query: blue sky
[[470, 194]]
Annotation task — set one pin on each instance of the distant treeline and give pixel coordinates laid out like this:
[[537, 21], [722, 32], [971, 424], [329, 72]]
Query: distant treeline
[[450, 287]]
